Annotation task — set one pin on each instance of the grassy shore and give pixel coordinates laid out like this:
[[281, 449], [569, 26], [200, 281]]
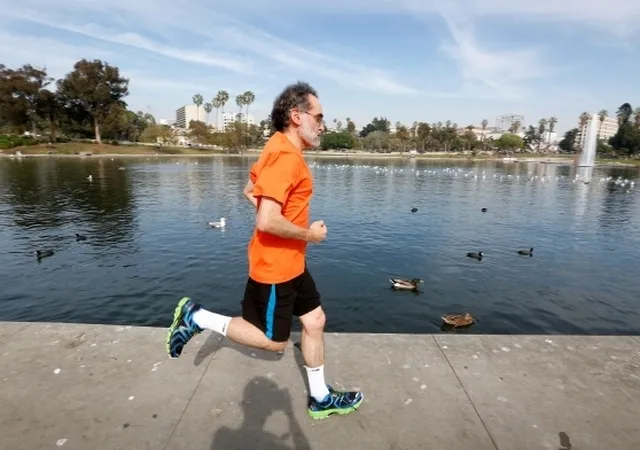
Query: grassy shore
[[84, 149]]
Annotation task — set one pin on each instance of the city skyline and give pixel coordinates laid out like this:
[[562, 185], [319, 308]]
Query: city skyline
[[435, 61]]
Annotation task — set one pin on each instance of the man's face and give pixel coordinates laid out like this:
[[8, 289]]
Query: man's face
[[311, 123]]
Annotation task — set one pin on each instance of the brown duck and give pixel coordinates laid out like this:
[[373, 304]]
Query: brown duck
[[457, 320]]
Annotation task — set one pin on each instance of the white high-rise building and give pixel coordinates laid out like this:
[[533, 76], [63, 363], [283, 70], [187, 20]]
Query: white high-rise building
[[608, 128], [505, 121], [188, 113], [230, 117]]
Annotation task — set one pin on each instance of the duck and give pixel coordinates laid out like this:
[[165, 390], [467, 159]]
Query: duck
[[414, 209], [477, 256], [80, 237], [458, 320], [405, 285], [526, 252], [43, 253], [220, 224], [484, 209]]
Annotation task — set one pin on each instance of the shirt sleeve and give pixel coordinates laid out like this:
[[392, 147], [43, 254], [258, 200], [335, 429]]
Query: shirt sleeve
[[276, 178]]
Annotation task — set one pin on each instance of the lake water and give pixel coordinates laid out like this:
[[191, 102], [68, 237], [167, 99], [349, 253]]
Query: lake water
[[148, 243]]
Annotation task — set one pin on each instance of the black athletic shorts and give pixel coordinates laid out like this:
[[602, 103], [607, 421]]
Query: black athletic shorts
[[271, 307]]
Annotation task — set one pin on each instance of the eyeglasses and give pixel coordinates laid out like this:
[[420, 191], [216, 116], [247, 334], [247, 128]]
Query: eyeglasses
[[318, 116]]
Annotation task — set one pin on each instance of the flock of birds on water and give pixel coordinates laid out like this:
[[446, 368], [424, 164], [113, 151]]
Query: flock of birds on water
[[450, 320], [480, 175], [453, 321], [465, 320]]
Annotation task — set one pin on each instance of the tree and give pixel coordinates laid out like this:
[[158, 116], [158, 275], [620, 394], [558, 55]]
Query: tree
[[50, 108], [248, 99], [351, 126], [484, 124], [627, 139], [338, 141], [208, 107], [509, 142], [532, 137], [423, 132], [602, 115], [376, 140], [223, 98], [402, 133], [624, 113], [568, 143], [96, 87], [216, 103], [20, 92], [198, 100], [552, 125]]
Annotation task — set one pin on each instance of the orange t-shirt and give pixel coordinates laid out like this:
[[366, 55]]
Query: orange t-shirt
[[282, 174]]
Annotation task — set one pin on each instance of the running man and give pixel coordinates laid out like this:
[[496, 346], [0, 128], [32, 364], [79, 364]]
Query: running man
[[279, 285]]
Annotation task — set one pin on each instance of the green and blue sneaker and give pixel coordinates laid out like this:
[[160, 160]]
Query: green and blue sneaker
[[335, 402], [183, 327]]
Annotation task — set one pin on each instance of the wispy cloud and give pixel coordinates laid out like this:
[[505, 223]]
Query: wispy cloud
[[499, 71], [616, 17], [141, 19], [58, 58]]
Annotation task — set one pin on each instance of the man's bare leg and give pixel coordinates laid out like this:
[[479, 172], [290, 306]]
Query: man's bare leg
[[323, 402], [312, 347], [189, 319], [245, 333], [312, 337]]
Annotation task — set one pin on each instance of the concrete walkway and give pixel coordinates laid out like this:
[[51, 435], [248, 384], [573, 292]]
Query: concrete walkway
[[87, 387]]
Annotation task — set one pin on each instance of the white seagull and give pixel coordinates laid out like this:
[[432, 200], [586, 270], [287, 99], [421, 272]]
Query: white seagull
[[220, 224]]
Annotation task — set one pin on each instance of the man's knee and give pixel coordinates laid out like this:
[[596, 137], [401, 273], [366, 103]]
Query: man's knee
[[276, 347], [314, 321]]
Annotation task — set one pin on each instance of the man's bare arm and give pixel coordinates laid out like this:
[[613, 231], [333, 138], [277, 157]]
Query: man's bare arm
[[270, 220], [248, 192]]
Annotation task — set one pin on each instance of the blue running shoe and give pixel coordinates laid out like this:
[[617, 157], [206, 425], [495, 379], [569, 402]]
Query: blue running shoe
[[335, 403], [183, 327]]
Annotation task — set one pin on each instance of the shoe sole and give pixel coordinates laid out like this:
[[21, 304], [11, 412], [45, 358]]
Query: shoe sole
[[177, 317], [318, 415]]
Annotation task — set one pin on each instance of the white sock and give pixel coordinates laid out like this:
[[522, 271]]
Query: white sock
[[317, 385], [211, 321]]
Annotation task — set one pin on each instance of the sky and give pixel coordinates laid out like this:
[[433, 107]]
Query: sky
[[407, 60]]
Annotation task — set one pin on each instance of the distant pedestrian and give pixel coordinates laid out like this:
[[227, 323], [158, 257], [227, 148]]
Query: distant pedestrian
[[279, 285]]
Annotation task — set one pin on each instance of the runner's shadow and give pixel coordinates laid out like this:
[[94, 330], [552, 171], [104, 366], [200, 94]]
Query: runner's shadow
[[262, 397]]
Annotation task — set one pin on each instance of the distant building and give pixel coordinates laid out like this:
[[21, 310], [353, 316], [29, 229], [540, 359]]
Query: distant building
[[605, 130], [188, 113], [230, 117], [169, 122], [506, 121]]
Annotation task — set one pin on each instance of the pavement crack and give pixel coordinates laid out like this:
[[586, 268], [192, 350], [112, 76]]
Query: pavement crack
[[493, 441], [206, 369]]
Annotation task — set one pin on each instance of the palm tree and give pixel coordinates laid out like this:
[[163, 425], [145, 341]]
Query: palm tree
[[602, 115], [208, 107], [484, 124], [552, 124], [584, 120], [216, 104], [542, 127], [223, 98], [198, 100], [240, 101], [249, 98]]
